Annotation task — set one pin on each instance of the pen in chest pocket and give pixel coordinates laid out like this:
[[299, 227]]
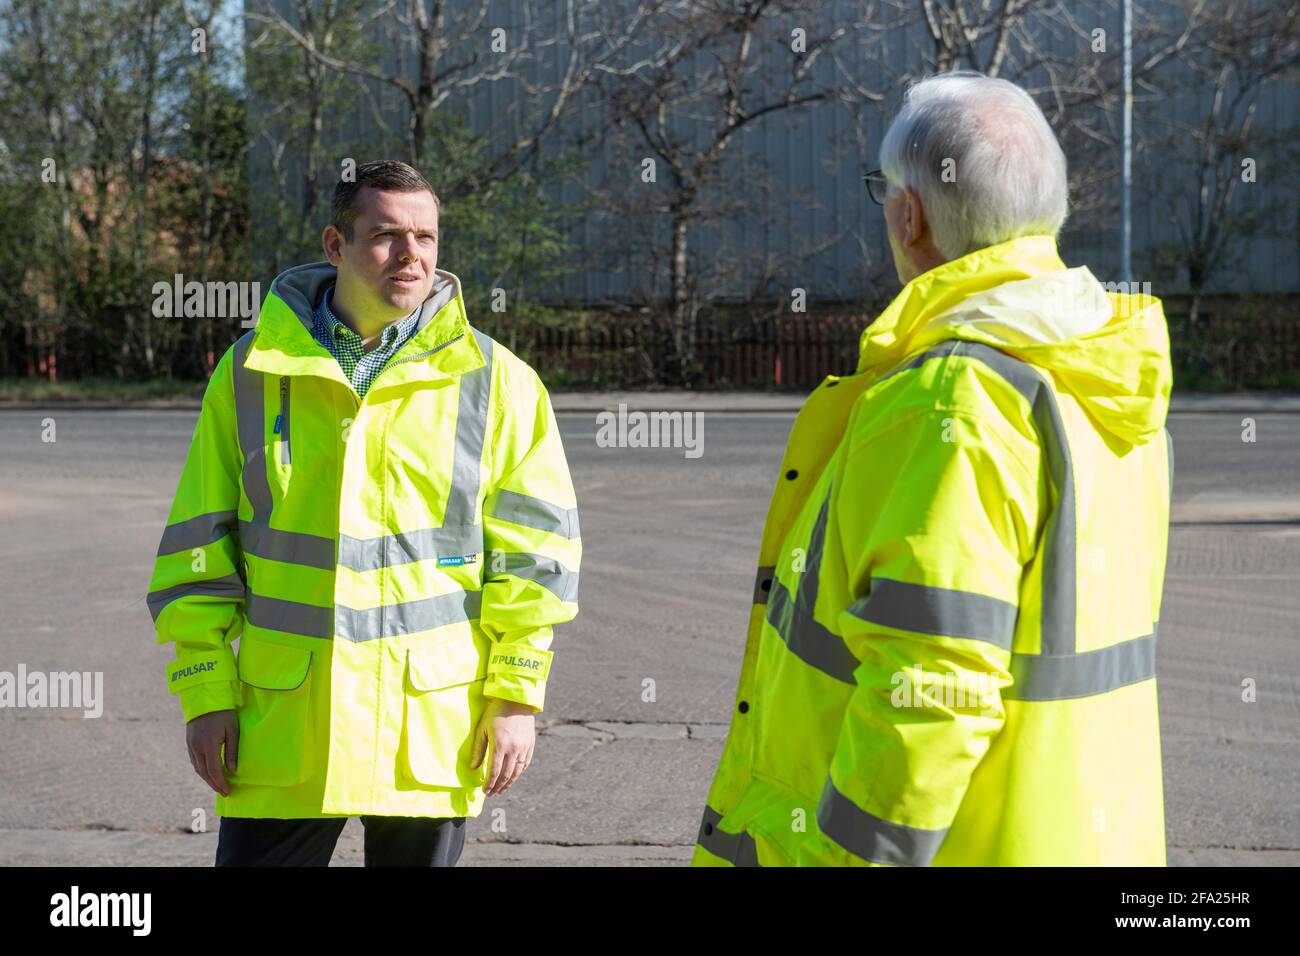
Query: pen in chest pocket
[[282, 421]]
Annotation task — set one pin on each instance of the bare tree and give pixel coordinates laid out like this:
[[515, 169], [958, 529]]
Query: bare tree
[[289, 72], [1238, 48], [718, 68], [456, 49], [974, 34]]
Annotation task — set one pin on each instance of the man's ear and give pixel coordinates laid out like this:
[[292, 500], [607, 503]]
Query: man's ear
[[331, 241], [915, 226]]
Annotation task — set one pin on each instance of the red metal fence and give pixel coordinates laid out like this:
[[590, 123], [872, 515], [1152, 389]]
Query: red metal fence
[[730, 351], [1235, 343]]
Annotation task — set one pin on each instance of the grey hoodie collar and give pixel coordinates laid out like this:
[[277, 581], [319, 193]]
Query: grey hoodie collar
[[302, 288]]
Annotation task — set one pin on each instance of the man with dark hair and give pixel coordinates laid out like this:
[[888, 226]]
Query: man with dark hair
[[376, 498], [388, 174]]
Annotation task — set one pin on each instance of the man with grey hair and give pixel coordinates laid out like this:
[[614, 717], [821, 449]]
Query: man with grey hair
[[1012, 172], [951, 650]]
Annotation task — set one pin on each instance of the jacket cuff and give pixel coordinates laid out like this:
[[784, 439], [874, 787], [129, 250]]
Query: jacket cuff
[[206, 681], [518, 672], [203, 667], [206, 698], [514, 687]]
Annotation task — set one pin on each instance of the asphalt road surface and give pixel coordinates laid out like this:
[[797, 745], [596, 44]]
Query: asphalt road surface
[[670, 543]]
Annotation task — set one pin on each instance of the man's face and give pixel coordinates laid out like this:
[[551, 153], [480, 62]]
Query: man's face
[[389, 265]]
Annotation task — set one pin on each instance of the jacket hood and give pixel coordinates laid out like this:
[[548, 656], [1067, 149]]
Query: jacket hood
[[443, 346], [1109, 351], [302, 288]]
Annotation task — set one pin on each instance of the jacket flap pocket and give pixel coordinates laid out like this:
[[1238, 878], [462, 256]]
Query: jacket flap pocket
[[445, 665], [272, 666]]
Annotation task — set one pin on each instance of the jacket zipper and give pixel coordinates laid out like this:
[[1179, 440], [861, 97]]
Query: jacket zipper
[[285, 457], [417, 355]]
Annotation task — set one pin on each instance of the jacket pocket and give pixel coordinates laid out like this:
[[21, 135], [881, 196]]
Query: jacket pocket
[[443, 690], [276, 732]]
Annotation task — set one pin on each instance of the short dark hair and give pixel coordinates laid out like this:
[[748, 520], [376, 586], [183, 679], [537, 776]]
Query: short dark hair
[[380, 174]]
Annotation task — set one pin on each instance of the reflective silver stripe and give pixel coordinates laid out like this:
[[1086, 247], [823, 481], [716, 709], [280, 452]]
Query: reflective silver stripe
[[810, 579], [1060, 547], [871, 838], [538, 568], [942, 350], [458, 535], [736, 848], [256, 536], [292, 617], [1060, 538], [807, 638], [391, 620], [371, 554], [1042, 677], [471, 429], [291, 547], [1059, 673], [766, 575], [793, 619], [940, 611], [197, 532], [250, 416], [533, 513], [230, 587]]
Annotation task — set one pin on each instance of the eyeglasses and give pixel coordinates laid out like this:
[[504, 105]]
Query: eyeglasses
[[877, 186]]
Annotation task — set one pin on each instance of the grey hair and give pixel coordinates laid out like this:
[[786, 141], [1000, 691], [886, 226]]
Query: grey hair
[[982, 157]]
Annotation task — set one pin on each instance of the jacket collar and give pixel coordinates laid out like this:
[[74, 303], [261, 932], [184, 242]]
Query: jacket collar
[[442, 348], [906, 326], [1109, 351]]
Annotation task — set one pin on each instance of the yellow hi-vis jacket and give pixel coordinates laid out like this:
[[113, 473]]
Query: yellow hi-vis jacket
[[951, 648], [387, 563]]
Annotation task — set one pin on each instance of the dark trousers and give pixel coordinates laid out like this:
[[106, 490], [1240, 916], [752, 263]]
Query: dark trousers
[[390, 841]]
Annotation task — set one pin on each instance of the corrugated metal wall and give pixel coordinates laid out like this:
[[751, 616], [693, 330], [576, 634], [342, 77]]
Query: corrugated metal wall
[[812, 189]]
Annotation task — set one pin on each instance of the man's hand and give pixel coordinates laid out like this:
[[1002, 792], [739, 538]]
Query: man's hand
[[204, 736], [508, 728]]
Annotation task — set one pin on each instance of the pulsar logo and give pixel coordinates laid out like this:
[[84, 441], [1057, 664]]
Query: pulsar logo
[[193, 669], [456, 560], [517, 662]]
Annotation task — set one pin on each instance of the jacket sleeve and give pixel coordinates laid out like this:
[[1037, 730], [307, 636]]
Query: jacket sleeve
[[196, 591], [935, 520], [531, 542]]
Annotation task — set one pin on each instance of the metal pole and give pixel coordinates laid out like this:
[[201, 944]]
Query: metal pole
[[1126, 147]]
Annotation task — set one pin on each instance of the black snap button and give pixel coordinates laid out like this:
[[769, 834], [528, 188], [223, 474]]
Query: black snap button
[[708, 829], [744, 707], [792, 474], [767, 584]]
